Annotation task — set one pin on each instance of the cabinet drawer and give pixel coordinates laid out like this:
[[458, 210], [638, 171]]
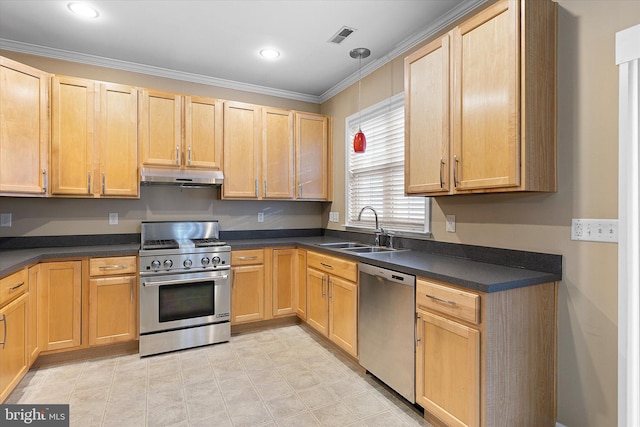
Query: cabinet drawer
[[112, 265], [11, 287], [336, 266], [247, 257], [451, 301]]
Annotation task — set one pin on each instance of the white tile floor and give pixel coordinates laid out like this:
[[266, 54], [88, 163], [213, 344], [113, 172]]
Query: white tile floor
[[278, 377]]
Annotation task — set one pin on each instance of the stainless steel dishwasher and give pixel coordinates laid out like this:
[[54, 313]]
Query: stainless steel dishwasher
[[386, 336]]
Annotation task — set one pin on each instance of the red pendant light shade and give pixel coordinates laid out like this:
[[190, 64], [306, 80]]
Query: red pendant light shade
[[359, 140]]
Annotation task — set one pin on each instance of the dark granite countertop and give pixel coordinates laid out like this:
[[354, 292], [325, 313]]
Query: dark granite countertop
[[468, 273]]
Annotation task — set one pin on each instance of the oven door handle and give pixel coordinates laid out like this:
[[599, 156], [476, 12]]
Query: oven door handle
[[179, 281]]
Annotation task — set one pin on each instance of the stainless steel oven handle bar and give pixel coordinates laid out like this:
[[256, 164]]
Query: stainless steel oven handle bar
[[183, 281]]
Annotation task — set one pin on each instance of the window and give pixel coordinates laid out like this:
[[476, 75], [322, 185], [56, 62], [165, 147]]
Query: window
[[376, 177]]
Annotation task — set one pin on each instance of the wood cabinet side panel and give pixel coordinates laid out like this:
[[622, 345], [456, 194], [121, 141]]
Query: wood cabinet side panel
[[13, 353], [283, 282], [301, 283]]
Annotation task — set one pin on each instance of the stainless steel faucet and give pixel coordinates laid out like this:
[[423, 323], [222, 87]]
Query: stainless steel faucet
[[378, 230]]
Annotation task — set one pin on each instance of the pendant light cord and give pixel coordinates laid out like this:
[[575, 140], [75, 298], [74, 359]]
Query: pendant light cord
[[359, 92]]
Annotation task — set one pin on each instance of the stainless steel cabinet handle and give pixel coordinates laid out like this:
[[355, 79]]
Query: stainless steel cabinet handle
[[265, 188], [113, 267], [441, 166], [299, 190], [45, 181], [445, 301], [189, 156], [233, 279], [102, 182], [329, 287], [4, 319], [323, 280], [177, 155], [89, 182], [181, 282], [247, 257], [455, 171], [13, 288], [131, 284], [329, 266], [256, 187]]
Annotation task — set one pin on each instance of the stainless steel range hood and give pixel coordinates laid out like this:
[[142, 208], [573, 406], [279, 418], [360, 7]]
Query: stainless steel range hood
[[181, 177]]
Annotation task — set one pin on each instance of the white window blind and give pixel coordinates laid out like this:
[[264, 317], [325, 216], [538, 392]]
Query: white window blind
[[376, 177]]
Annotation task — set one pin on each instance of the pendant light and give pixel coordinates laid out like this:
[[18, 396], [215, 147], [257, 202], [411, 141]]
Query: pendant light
[[359, 140]]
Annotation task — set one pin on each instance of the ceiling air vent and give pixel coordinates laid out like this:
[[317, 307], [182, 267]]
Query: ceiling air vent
[[342, 34]]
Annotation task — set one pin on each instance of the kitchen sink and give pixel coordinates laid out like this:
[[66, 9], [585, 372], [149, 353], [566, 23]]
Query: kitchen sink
[[369, 249], [344, 245]]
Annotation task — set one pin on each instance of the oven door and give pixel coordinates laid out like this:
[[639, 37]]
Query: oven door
[[174, 301]]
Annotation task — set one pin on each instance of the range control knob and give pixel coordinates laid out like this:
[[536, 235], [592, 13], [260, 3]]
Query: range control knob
[[187, 263], [168, 263], [215, 260], [155, 264], [205, 261]]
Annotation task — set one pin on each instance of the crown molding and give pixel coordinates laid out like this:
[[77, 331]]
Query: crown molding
[[404, 46], [100, 61]]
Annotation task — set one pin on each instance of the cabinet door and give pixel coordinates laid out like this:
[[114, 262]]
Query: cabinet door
[[284, 277], [317, 301], [277, 154], [24, 128], [448, 370], [13, 350], [241, 150], [312, 153], [301, 283], [72, 124], [118, 141], [160, 128], [112, 310], [59, 305], [202, 133], [343, 314], [247, 293], [486, 96], [427, 113]]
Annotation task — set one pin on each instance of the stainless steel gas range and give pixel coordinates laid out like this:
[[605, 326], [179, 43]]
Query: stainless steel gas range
[[184, 286]]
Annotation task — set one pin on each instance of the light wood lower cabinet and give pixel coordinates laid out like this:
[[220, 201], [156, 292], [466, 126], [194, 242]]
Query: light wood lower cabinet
[[60, 305], [113, 300], [283, 282], [332, 299], [486, 359], [13, 348], [33, 333], [247, 286]]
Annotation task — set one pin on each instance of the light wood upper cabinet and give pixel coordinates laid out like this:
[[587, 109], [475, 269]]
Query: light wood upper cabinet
[[258, 152], [94, 143], [180, 131], [427, 117], [278, 178], [73, 110], [118, 141], [500, 120], [241, 151], [24, 129], [160, 128], [313, 152]]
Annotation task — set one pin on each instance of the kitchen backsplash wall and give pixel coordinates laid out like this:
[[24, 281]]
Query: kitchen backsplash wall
[[63, 216]]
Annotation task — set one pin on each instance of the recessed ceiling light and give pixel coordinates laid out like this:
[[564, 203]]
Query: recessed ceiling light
[[269, 53], [83, 10]]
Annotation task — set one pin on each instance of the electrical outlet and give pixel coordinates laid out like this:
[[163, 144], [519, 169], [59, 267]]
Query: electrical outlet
[[595, 230], [260, 216], [5, 220], [334, 216], [451, 223], [113, 218]]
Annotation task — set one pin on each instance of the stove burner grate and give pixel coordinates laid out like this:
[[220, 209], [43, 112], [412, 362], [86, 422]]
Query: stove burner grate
[[160, 244]]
